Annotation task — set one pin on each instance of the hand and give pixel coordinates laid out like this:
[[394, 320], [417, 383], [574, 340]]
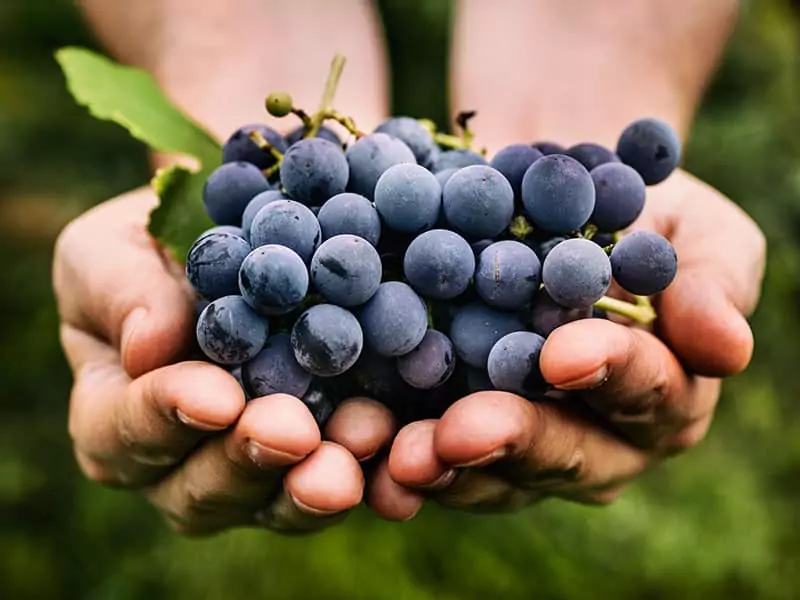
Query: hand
[[639, 398], [180, 432]]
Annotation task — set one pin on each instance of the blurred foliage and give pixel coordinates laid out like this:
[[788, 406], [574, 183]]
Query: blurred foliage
[[720, 522]]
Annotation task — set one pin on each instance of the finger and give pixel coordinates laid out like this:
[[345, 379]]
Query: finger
[[362, 426], [389, 499], [228, 479], [112, 280], [537, 446], [721, 257], [130, 433], [317, 493], [414, 463], [630, 377]]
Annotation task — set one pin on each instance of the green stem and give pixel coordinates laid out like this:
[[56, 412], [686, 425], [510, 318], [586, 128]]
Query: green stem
[[642, 313], [590, 231], [449, 141], [345, 122], [520, 228], [337, 66], [259, 140]]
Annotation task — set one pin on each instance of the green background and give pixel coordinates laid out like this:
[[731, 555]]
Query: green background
[[720, 521]]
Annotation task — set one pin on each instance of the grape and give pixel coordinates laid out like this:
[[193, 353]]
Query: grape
[[255, 205], [444, 176], [229, 332], [480, 246], [507, 276], [591, 155], [275, 370], [576, 273], [212, 265], [543, 247], [240, 147], [318, 401], [414, 135], [273, 280], [512, 161], [286, 223], [558, 193], [327, 340], [408, 198], [619, 196], [350, 213], [478, 201], [326, 133], [476, 328], [346, 270], [231, 229], [548, 148], [313, 170], [430, 364], [439, 264], [457, 159], [228, 190], [370, 157], [279, 104], [644, 263], [547, 315], [394, 320], [603, 238], [513, 364], [652, 148]]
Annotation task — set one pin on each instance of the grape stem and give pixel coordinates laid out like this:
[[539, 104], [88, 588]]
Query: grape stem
[[344, 121], [325, 107], [642, 312], [259, 141], [520, 228]]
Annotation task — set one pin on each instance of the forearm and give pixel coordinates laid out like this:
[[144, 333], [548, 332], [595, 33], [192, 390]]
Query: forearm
[[580, 70], [218, 60]]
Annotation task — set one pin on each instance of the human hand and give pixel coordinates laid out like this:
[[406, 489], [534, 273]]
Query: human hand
[[180, 433], [638, 397]]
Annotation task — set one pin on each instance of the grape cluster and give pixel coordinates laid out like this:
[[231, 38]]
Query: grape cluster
[[412, 271]]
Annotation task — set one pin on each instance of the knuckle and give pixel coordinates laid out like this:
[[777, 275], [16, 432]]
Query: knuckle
[[688, 437]]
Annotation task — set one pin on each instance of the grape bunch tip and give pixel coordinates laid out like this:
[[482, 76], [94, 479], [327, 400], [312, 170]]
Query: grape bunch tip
[[403, 265]]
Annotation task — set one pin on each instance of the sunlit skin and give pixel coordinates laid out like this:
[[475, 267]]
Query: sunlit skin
[[181, 434]]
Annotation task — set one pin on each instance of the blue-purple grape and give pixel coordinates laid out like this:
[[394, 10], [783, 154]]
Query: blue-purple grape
[[212, 265], [350, 213], [229, 332], [370, 157], [346, 270], [273, 280], [408, 198], [439, 264], [507, 275], [513, 364], [327, 340], [430, 364], [229, 189], [394, 320], [558, 194], [239, 147], [576, 273], [275, 370], [287, 223], [475, 330], [619, 196], [478, 202], [314, 170], [651, 147], [644, 263]]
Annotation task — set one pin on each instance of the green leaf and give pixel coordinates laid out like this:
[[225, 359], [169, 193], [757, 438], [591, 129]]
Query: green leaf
[[131, 98], [180, 216]]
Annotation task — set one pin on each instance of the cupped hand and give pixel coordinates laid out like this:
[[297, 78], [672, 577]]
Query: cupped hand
[[635, 396], [181, 433]]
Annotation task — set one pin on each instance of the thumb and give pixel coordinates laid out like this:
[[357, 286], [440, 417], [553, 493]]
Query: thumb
[[113, 281]]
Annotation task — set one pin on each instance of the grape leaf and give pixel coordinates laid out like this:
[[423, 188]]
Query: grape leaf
[[131, 98], [180, 215]]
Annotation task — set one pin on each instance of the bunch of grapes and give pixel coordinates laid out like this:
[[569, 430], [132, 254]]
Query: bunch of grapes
[[406, 267]]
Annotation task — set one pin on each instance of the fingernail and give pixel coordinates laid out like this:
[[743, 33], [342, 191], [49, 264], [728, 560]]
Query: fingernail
[[412, 515], [587, 382], [441, 482], [487, 459], [269, 458], [314, 512], [195, 424], [132, 321]]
